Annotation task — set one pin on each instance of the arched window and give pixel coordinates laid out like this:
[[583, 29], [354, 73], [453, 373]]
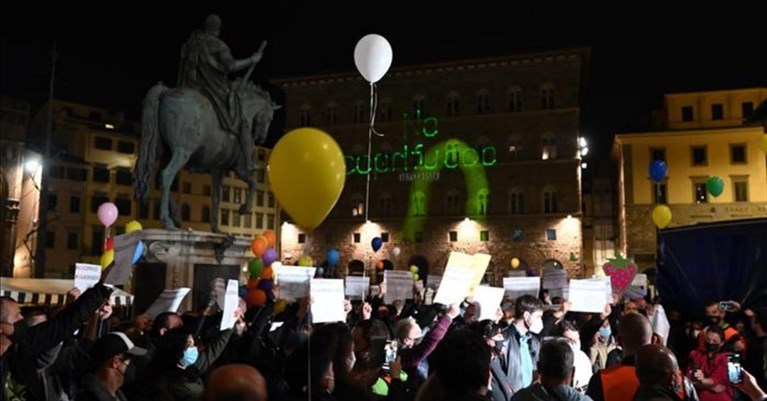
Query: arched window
[[358, 205], [515, 98], [516, 201], [358, 116], [419, 105], [453, 204], [483, 101], [186, 212], [515, 147], [206, 213], [550, 200], [331, 114], [305, 115], [547, 96], [453, 104], [418, 203], [483, 201], [548, 147], [384, 110]]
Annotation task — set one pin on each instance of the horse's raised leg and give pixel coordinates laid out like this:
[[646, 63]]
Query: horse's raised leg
[[218, 178], [177, 161], [246, 207]]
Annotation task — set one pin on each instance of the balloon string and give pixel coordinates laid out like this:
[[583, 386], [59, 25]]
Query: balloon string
[[309, 360]]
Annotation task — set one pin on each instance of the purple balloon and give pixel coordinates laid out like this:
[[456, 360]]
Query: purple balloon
[[269, 256], [107, 213], [266, 285]]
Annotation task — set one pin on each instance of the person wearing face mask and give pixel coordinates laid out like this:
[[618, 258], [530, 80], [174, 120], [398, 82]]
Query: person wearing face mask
[[603, 345], [657, 372], [111, 356], [521, 345], [500, 390], [582, 363], [716, 317], [708, 368]]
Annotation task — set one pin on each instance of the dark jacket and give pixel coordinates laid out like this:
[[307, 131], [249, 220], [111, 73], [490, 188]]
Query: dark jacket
[[412, 357], [94, 390], [500, 388], [30, 342], [655, 393], [539, 392], [514, 360], [596, 392]]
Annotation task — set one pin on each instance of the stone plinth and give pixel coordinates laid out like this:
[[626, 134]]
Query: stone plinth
[[191, 259]]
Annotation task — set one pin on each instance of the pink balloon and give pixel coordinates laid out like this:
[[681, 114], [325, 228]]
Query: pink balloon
[[107, 213]]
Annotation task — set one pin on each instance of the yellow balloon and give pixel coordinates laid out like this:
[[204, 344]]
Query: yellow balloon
[[307, 173], [416, 277], [661, 216], [133, 226], [306, 261], [107, 258], [514, 263]]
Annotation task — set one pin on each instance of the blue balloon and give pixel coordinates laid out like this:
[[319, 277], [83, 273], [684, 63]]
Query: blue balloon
[[333, 257], [658, 170], [139, 252], [243, 291], [376, 243]]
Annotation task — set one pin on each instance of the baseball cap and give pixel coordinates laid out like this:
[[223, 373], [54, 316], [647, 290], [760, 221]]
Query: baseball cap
[[113, 344]]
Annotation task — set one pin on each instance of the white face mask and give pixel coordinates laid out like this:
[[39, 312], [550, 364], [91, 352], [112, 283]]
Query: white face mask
[[536, 325]]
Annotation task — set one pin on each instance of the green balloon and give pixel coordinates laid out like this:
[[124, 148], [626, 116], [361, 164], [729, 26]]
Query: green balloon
[[255, 267], [715, 186]]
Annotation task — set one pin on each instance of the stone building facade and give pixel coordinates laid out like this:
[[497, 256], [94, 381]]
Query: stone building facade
[[476, 156]]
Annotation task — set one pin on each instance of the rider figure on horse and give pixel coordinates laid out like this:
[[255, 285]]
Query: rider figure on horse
[[206, 62]]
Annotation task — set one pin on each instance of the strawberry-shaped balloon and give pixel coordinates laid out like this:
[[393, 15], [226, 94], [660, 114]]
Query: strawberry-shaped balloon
[[621, 271]]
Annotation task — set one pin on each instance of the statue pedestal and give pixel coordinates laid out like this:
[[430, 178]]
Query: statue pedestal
[[194, 259]]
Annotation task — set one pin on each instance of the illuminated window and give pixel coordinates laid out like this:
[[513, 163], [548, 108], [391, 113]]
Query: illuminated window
[[547, 96], [549, 147], [687, 113], [699, 189], [419, 105], [305, 116], [483, 101], [717, 111], [358, 205], [358, 115], [331, 114], [453, 104], [550, 200], [516, 201], [515, 98]]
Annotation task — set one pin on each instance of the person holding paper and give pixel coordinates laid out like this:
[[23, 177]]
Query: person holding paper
[[521, 345], [556, 367], [500, 389]]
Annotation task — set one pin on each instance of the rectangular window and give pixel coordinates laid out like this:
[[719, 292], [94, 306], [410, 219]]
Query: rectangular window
[[385, 237], [260, 198], [77, 174], [356, 238], [717, 111], [97, 241], [699, 156], [747, 109], [738, 153], [224, 217], [97, 199], [658, 154], [225, 193], [102, 143], [259, 220], [453, 236], [74, 204], [301, 238], [235, 219], [659, 192], [740, 187], [238, 195], [271, 199], [551, 234], [248, 221], [484, 235], [128, 148], [100, 173], [53, 202], [73, 241], [50, 239], [124, 177], [700, 193], [687, 114], [124, 205], [270, 221]]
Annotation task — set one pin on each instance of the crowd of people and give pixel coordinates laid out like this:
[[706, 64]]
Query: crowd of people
[[535, 349]]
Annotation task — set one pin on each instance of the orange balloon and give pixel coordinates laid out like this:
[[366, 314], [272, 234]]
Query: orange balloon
[[271, 238], [259, 245], [267, 274], [252, 283], [380, 265], [256, 298]]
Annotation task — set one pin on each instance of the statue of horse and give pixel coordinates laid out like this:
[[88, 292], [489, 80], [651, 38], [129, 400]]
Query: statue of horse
[[183, 120]]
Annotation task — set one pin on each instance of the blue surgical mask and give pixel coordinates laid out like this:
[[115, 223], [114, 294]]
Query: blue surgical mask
[[605, 332], [190, 357]]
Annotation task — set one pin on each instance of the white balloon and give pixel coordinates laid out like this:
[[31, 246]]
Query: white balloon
[[373, 56], [395, 251]]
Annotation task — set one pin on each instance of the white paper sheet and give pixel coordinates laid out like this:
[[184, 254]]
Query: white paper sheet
[[587, 295], [515, 287], [168, 301], [554, 279], [477, 264], [294, 281], [355, 286], [489, 299], [433, 281], [231, 302], [454, 287], [399, 286], [327, 300], [86, 275]]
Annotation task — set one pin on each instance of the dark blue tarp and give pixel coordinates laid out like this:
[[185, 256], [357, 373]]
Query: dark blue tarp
[[713, 262]]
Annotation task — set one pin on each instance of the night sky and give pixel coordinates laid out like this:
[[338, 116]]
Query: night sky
[[640, 50]]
